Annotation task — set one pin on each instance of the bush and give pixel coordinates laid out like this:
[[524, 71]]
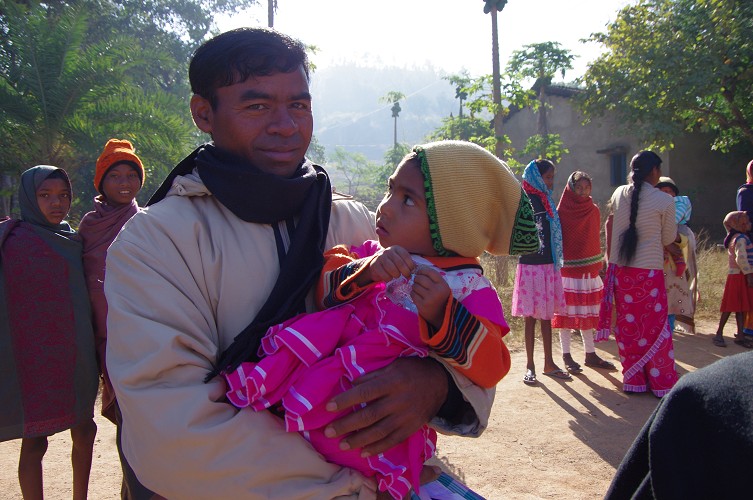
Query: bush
[[712, 263]]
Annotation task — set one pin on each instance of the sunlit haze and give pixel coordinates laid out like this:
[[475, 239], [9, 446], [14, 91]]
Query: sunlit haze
[[450, 35]]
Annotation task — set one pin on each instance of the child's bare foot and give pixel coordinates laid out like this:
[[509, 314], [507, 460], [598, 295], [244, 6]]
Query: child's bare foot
[[718, 340], [555, 371]]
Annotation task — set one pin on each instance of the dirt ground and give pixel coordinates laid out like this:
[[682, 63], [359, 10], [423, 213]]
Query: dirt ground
[[560, 439]]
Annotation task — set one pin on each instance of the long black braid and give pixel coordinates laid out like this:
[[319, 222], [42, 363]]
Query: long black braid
[[641, 165]]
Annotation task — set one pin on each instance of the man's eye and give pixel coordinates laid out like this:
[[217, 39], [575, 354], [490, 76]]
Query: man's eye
[[409, 201]]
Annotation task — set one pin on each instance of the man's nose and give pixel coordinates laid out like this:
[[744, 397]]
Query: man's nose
[[283, 122]]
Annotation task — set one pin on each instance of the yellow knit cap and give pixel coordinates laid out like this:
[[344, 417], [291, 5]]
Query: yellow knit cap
[[474, 201]]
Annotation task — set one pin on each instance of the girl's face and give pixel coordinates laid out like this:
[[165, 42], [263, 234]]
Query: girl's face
[[582, 187], [548, 177], [54, 200], [401, 217], [121, 184]]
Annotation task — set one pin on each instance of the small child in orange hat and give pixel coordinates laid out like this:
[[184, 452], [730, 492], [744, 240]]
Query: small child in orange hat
[[118, 177]]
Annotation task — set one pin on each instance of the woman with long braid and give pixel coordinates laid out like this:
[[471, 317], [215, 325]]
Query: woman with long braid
[[643, 223]]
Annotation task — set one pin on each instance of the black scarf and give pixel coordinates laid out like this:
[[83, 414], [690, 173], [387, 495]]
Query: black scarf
[[262, 198]]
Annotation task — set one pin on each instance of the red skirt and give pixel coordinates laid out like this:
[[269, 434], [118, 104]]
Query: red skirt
[[738, 296]]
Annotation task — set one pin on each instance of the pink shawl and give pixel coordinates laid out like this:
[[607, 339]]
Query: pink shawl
[[98, 229]]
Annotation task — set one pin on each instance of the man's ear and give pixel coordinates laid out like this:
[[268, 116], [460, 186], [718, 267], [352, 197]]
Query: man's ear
[[202, 113]]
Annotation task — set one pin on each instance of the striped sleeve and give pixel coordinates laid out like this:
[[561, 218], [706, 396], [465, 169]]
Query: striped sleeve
[[470, 344], [742, 256], [337, 283]]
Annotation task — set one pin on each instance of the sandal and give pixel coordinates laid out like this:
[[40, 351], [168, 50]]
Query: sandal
[[601, 363], [558, 373], [570, 364], [530, 377], [743, 341], [573, 367], [719, 342]]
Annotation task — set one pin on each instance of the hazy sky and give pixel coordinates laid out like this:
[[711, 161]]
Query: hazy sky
[[448, 34]]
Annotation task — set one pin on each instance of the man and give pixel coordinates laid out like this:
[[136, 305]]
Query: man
[[698, 443], [232, 247]]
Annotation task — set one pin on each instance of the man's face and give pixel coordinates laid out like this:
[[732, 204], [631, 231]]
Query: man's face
[[266, 120]]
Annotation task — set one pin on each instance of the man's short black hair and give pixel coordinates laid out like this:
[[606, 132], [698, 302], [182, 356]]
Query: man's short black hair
[[239, 54]]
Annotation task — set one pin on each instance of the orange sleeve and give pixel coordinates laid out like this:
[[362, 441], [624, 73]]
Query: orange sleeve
[[337, 283], [471, 344]]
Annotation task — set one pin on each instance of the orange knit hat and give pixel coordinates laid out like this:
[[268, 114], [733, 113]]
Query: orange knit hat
[[116, 151]]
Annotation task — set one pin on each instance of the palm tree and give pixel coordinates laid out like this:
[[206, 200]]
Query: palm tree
[[394, 97], [492, 7]]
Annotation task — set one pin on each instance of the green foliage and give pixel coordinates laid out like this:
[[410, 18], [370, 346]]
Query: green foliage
[[316, 152], [392, 159], [490, 5], [677, 65], [548, 146], [354, 174], [540, 61], [464, 129], [392, 97], [72, 76], [478, 127]]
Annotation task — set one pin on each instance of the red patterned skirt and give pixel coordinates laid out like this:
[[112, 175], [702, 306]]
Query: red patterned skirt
[[582, 300]]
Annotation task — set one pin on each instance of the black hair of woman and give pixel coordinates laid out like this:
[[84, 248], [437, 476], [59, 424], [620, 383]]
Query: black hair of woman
[[641, 166]]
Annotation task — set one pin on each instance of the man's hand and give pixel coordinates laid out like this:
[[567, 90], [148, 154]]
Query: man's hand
[[400, 397], [430, 293]]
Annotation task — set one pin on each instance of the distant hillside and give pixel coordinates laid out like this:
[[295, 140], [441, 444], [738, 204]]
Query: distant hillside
[[348, 114]]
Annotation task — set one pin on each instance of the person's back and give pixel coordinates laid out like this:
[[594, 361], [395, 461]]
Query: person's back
[[698, 442], [655, 223]]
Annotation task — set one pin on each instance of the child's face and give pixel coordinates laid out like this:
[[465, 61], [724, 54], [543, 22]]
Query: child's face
[[121, 184], [548, 177], [401, 217], [582, 188], [54, 200], [745, 223], [668, 190]]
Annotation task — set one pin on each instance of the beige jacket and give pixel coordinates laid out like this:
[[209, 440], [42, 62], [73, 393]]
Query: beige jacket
[[183, 278]]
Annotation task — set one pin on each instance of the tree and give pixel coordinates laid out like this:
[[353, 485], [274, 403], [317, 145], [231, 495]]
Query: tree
[[394, 97], [540, 62], [492, 7], [673, 66], [478, 125], [354, 168], [461, 82], [62, 95]]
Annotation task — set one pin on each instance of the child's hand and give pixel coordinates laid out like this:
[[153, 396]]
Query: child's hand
[[389, 264], [749, 279], [430, 293]]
